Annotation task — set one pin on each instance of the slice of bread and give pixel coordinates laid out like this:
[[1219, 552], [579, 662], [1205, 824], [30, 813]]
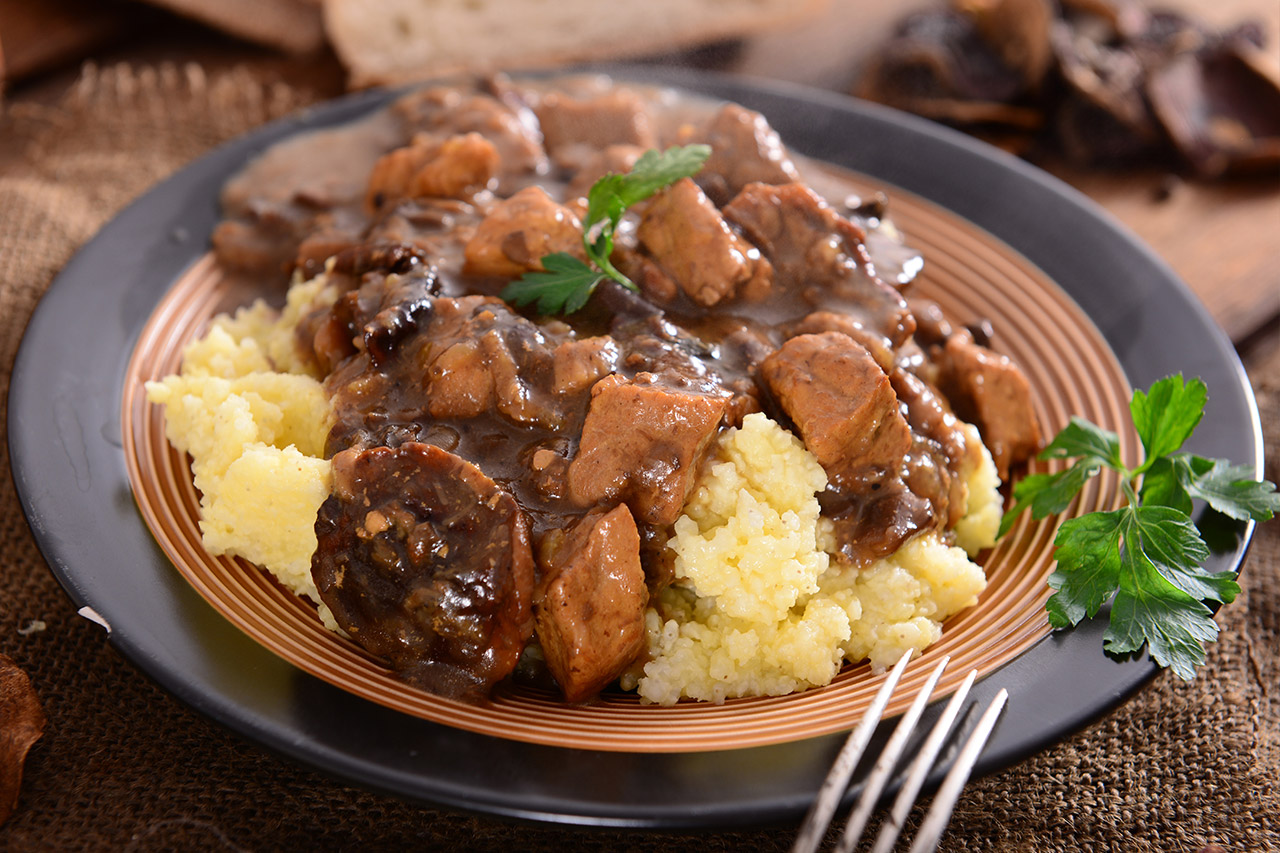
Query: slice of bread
[[293, 26], [385, 42]]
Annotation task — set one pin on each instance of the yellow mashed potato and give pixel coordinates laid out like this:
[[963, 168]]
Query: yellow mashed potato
[[759, 607], [255, 427]]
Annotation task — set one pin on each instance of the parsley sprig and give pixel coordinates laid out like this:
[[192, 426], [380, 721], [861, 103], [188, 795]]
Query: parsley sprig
[[1145, 558], [566, 283]]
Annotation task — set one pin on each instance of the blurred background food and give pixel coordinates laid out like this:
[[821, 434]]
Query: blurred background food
[[394, 41], [1094, 82], [1101, 82]]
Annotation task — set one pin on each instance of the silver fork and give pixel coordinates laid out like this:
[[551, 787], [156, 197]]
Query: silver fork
[[935, 822]]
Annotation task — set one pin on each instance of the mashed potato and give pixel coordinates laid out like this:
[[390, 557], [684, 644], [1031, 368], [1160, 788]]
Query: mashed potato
[[760, 608], [256, 438]]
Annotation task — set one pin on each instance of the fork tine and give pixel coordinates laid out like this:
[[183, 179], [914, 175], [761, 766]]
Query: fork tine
[[833, 787], [920, 766], [886, 762], [935, 822]]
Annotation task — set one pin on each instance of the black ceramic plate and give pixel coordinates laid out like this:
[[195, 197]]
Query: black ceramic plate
[[65, 443]]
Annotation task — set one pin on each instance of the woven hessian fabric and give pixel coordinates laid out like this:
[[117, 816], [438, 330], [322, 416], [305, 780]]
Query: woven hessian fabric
[[122, 765]]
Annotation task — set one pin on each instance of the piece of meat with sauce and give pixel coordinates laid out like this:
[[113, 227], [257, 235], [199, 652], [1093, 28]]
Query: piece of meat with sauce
[[844, 407], [513, 238], [263, 242], [831, 321], [744, 150], [689, 239], [479, 355], [642, 443], [819, 254], [426, 562], [655, 284], [618, 117], [589, 608], [988, 390], [931, 418], [443, 111], [474, 357], [579, 363], [457, 167]]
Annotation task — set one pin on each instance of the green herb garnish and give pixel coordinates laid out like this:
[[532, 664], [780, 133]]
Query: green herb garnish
[[1146, 557], [567, 283]]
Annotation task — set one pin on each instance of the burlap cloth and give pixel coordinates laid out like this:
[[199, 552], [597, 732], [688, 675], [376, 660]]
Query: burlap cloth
[[124, 765]]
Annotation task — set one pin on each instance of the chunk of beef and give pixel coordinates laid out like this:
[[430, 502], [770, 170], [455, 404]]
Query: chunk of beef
[[579, 363], [931, 418], [642, 443], [516, 234], [589, 608], [394, 172], [426, 562], [744, 150], [456, 167], [447, 111], [844, 407], [812, 246], [479, 355], [655, 284], [689, 239], [618, 117], [831, 321], [459, 382], [319, 246], [264, 243], [989, 391], [474, 357]]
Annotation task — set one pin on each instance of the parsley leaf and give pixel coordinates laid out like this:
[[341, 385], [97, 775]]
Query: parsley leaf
[[1161, 486], [567, 283], [1149, 610], [1166, 414], [565, 286], [1145, 558], [1084, 439], [1227, 488], [1047, 494], [1088, 567]]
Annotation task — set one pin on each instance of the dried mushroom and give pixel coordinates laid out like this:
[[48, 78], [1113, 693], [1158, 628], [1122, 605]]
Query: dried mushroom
[[1018, 32], [1122, 18], [1221, 109], [21, 724], [1115, 83], [1103, 116], [940, 65]]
